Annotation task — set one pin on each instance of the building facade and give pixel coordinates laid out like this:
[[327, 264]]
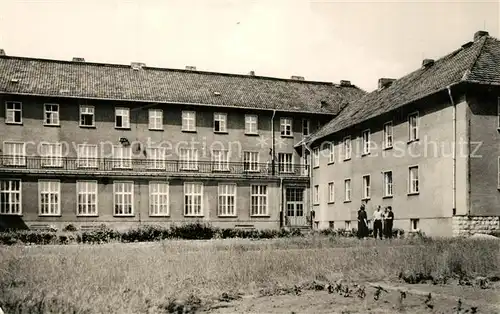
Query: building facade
[[89, 144], [426, 144]]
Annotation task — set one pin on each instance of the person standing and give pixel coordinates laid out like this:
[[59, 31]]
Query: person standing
[[377, 223], [384, 221], [389, 222], [362, 222]]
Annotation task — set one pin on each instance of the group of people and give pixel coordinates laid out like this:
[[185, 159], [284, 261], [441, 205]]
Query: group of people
[[382, 222]]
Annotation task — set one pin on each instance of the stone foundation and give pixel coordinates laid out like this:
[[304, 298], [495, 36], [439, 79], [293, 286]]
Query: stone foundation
[[468, 225]]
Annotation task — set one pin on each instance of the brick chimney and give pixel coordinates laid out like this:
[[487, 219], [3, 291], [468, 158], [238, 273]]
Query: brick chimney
[[78, 59], [298, 78], [2, 52], [190, 68], [345, 83], [427, 62], [480, 34], [384, 82], [252, 73]]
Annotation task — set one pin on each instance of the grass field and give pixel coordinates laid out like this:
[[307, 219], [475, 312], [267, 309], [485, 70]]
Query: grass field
[[146, 277]]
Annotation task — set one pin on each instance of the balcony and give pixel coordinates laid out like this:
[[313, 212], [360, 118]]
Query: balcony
[[146, 167]]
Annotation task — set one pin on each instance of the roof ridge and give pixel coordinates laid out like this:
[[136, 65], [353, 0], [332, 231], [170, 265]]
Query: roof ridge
[[474, 62]]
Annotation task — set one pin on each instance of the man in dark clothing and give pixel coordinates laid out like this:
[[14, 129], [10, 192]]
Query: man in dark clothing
[[362, 225], [377, 223], [389, 219]]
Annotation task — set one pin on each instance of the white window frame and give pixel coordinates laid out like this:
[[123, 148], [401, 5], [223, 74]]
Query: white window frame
[[193, 190], [159, 199], [122, 157], [366, 141], [14, 158], [285, 162], [188, 158], [188, 120], [413, 136], [220, 160], [347, 225], [10, 113], [331, 153], [87, 198], [87, 156], [156, 157], [155, 119], [52, 155], [411, 180], [12, 194], [220, 122], [124, 113], [347, 190], [53, 189], [251, 161], [388, 184], [251, 124], [315, 157], [414, 223], [226, 193], [306, 161], [259, 201], [306, 127], [86, 110], [286, 127], [316, 195], [347, 145], [367, 186], [51, 115], [331, 192], [388, 135], [120, 198]]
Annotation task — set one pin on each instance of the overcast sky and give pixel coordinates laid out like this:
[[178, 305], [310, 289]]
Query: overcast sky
[[359, 41]]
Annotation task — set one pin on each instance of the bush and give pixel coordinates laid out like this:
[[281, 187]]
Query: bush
[[69, 228], [194, 231]]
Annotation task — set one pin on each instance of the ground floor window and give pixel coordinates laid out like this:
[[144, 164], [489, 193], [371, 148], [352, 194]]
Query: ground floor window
[[193, 199], [123, 198], [227, 200], [414, 224], [87, 198], [49, 192], [258, 200], [158, 199], [10, 197]]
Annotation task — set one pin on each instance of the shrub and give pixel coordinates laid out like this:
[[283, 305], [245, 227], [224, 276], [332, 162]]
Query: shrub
[[194, 231], [69, 228]]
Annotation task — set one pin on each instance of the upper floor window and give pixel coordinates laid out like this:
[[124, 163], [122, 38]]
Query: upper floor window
[[155, 119], [413, 126], [331, 192], [189, 158], [14, 153], [122, 157], [220, 159], [388, 135], [52, 154], [366, 187], [306, 161], [413, 180], [189, 121], [51, 114], [251, 124], [366, 142], [306, 129], [220, 122], [286, 126], [347, 147], [156, 157], [316, 157], [316, 195], [13, 112], [347, 190], [331, 153], [122, 118], [251, 161], [87, 115], [87, 156], [285, 162]]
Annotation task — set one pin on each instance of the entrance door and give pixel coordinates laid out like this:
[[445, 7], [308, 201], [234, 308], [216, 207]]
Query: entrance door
[[295, 215]]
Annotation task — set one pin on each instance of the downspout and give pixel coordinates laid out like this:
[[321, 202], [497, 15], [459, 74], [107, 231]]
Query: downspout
[[454, 185], [311, 206], [272, 143]]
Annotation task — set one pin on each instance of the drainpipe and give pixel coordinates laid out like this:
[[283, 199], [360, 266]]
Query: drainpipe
[[311, 206], [282, 212], [272, 143], [454, 186]]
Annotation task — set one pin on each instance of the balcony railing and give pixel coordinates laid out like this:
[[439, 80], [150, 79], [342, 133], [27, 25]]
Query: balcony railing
[[111, 165]]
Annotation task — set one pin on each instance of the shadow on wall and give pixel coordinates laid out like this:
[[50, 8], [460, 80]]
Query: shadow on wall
[[10, 222]]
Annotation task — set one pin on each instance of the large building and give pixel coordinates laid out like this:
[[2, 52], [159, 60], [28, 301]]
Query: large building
[[123, 145], [427, 144]]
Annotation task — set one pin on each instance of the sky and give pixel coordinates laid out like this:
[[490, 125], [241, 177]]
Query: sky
[[359, 41]]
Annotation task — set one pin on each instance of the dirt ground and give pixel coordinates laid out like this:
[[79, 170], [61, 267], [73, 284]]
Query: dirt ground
[[444, 299]]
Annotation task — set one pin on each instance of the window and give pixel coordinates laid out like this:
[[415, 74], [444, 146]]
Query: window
[[158, 199], [258, 200], [306, 127], [366, 142], [14, 154], [347, 147], [87, 115], [285, 162], [306, 161], [51, 154], [123, 198], [51, 114], [189, 158], [286, 126], [348, 225], [122, 118], [331, 192], [316, 157], [316, 194], [220, 122], [10, 197], [251, 161], [13, 112], [331, 153], [49, 192], [414, 225], [220, 160], [155, 119], [413, 180], [227, 200], [122, 157], [388, 183], [86, 198], [347, 190], [87, 156], [413, 126], [156, 157], [366, 187], [251, 124], [189, 121], [193, 199], [388, 135]]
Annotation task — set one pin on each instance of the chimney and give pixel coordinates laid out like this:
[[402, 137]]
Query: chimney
[[298, 78], [480, 34], [78, 59], [252, 73], [2, 52], [345, 83], [190, 68], [137, 65], [384, 82], [427, 62]]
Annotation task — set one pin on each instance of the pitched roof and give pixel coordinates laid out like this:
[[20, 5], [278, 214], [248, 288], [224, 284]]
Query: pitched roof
[[121, 82], [476, 62]]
